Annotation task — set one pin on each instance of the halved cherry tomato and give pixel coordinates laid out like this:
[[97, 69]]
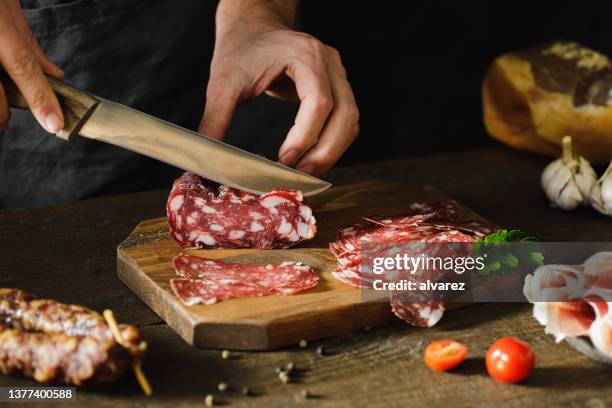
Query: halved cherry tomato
[[510, 360], [442, 355]]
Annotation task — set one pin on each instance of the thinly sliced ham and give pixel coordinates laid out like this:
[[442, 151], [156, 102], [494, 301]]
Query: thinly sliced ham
[[575, 300]]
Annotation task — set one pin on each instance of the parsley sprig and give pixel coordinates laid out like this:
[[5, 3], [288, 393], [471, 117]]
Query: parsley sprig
[[502, 258]]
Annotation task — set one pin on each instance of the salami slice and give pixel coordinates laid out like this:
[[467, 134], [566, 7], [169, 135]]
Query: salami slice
[[438, 222], [203, 214], [420, 314], [208, 281]]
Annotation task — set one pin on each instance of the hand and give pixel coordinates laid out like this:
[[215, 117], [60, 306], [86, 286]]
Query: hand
[[259, 55], [25, 62]]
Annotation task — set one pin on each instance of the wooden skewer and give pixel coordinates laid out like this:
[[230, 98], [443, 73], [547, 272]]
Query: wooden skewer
[[140, 375], [142, 380]]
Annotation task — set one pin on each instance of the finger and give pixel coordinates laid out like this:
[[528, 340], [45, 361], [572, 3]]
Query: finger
[[5, 112], [221, 102], [22, 25], [313, 89], [20, 64], [341, 129]]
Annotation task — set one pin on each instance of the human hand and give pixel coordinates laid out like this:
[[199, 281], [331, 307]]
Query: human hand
[[22, 58], [258, 55]]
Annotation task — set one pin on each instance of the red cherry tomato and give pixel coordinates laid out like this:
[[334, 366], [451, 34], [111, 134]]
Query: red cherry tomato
[[510, 360], [442, 355]]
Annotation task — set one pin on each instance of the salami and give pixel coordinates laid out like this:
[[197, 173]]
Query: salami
[[420, 314], [438, 222], [52, 341], [204, 214], [24, 311], [56, 357], [208, 281]]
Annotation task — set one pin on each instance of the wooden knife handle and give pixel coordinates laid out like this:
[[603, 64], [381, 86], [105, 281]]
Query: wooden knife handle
[[75, 104]]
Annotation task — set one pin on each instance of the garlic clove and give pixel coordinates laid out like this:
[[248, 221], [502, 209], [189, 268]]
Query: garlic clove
[[568, 181], [559, 188], [601, 194]]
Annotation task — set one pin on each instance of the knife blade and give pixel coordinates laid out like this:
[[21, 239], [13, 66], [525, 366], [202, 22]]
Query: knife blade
[[96, 118]]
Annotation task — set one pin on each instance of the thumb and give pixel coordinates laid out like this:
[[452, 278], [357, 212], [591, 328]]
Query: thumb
[[221, 102]]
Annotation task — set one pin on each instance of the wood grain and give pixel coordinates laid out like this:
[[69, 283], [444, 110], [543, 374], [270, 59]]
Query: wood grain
[[144, 262]]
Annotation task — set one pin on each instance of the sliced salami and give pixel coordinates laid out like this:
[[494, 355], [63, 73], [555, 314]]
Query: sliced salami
[[208, 281], [420, 314], [204, 214], [439, 222]]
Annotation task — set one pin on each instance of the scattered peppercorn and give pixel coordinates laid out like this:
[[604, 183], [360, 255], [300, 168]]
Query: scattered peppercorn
[[246, 391], [303, 343], [305, 394], [321, 350], [225, 354], [222, 386], [209, 401], [290, 366], [283, 377], [279, 370]]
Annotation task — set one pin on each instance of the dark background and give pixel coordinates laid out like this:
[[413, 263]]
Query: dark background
[[416, 67]]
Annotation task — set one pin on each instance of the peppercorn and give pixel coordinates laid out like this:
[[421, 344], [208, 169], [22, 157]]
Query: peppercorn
[[222, 386], [246, 391], [290, 366], [225, 354], [321, 350], [305, 394], [303, 343], [209, 401]]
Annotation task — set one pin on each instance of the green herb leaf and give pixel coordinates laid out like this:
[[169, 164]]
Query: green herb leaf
[[500, 258]]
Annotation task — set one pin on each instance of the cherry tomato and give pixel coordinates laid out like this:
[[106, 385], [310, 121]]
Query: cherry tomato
[[442, 355], [510, 360]]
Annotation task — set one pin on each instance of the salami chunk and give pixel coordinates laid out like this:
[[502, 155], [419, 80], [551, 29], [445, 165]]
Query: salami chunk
[[208, 281], [203, 214]]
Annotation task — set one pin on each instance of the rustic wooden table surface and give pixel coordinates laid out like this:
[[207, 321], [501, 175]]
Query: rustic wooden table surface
[[67, 252]]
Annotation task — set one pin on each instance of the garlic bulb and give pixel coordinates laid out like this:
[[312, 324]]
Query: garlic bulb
[[601, 194], [568, 181]]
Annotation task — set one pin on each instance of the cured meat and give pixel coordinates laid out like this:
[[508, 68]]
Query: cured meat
[[22, 310], [420, 314], [203, 214], [438, 222], [52, 341], [61, 358], [575, 300], [208, 281]]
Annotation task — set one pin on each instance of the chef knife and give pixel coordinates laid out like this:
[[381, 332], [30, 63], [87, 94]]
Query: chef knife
[[92, 117]]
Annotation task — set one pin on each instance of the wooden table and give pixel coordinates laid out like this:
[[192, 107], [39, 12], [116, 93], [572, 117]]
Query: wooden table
[[67, 252]]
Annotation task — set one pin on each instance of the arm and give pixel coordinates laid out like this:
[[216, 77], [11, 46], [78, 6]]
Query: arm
[[256, 51]]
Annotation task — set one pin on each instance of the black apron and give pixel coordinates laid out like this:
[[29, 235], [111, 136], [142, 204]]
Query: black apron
[[152, 55]]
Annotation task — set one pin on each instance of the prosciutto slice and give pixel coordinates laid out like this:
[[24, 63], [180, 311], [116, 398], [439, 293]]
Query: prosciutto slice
[[575, 300]]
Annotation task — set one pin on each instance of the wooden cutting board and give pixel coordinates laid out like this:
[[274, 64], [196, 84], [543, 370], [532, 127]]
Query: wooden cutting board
[[144, 262]]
